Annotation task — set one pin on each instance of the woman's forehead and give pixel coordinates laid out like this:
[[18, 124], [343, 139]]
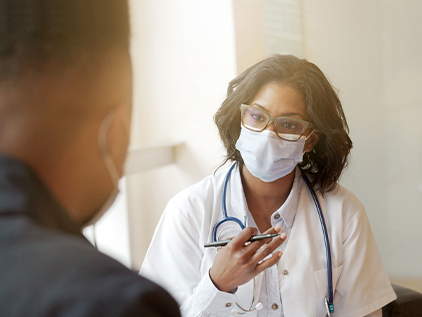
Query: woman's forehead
[[281, 100]]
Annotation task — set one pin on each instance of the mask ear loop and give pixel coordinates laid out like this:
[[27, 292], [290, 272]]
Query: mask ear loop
[[111, 168], [108, 161], [126, 124], [102, 146], [306, 138]]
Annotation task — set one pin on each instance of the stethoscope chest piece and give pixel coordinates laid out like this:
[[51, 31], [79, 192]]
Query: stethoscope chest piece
[[257, 307]]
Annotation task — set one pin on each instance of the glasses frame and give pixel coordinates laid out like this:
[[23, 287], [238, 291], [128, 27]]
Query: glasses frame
[[306, 124]]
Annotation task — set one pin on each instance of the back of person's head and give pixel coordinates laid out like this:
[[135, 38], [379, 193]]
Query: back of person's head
[[66, 95], [34, 32]]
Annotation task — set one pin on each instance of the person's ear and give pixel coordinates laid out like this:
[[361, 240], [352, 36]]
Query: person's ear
[[312, 140]]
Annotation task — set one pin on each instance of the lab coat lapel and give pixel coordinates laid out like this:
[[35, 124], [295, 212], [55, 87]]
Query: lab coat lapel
[[236, 197]]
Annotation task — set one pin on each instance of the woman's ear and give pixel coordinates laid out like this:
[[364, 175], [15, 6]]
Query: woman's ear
[[312, 139]]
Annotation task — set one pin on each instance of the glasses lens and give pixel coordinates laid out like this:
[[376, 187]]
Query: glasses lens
[[254, 119], [289, 129]]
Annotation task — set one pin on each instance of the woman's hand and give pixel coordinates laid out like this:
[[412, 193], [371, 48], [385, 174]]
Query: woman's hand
[[237, 263]]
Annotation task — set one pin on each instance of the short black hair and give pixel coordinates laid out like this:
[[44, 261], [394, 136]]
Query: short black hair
[[41, 30], [330, 155]]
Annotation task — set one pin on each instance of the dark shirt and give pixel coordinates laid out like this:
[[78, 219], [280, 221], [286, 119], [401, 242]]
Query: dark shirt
[[48, 268]]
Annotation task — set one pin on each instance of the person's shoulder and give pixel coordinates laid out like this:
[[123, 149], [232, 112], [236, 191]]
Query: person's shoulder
[[201, 190], [99, 280], [107, 288], [342, 202], [125, 293], [344, 195], [69, 277], [338, 195], [121, 291]]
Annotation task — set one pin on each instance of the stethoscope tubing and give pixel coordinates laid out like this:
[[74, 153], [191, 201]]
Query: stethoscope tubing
[[330, 305], [326, 239], [224, 207]]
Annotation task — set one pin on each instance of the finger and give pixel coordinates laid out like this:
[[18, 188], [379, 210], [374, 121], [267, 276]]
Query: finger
[[243, 236], [254, 246], [268, 263], [268, 248], [275, 229]]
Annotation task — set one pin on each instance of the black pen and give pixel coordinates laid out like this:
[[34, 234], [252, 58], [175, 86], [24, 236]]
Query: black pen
[[222, 243]]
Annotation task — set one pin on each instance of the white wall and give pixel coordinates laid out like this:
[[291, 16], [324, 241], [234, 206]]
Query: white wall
[[249, 33], [183, 57], [371, 50]]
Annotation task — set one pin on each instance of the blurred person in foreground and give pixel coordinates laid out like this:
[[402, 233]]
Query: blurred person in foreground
[[65, 108]]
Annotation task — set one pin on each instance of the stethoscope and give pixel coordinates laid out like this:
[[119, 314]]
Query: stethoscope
[[328, 301]]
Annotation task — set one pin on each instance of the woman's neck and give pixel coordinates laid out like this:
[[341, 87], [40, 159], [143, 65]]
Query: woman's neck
[[265, 198]]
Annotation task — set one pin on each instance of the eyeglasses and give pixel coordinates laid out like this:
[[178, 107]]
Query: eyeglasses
[[289, 129]]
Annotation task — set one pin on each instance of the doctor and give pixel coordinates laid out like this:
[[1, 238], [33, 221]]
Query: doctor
[[281, 119]]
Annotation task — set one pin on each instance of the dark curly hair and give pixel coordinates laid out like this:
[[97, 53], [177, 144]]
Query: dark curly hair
[[330, 155], [37, 31]]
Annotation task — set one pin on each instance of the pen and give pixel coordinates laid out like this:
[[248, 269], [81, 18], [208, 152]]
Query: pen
[[222, 243]]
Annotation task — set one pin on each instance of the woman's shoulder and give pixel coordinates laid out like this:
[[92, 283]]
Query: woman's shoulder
[[342, 202], [344, 195], [204, 192], [338, 195]]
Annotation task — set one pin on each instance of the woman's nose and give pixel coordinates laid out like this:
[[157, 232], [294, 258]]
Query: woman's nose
[[271, 126]]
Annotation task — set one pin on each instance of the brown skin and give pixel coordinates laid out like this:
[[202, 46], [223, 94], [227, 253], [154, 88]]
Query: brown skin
[[237, 264], [50, 121]]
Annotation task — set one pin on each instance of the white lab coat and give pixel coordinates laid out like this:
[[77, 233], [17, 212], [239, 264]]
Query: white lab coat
[[177, 260]]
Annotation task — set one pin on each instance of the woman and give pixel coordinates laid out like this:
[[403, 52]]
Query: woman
[[281, 122]]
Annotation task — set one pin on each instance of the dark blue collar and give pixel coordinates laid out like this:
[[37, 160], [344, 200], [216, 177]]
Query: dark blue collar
[[23, 193]]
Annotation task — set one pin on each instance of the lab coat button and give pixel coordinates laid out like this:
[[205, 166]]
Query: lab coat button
[[274, 306], [276, 216], [228, 304], [285, 272]]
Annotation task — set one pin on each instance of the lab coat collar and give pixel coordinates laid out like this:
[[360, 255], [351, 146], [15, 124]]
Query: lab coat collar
[[22, 192], [288, 210], [237, 196], [239, 206]]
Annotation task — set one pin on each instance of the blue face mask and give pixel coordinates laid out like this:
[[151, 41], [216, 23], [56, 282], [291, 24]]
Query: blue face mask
[[268, 157]]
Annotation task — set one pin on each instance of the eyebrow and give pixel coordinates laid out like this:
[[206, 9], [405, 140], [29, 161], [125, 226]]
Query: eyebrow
[[284, 115]]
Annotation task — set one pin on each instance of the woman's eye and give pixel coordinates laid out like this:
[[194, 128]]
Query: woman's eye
[[257, 117], [290, 126]]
